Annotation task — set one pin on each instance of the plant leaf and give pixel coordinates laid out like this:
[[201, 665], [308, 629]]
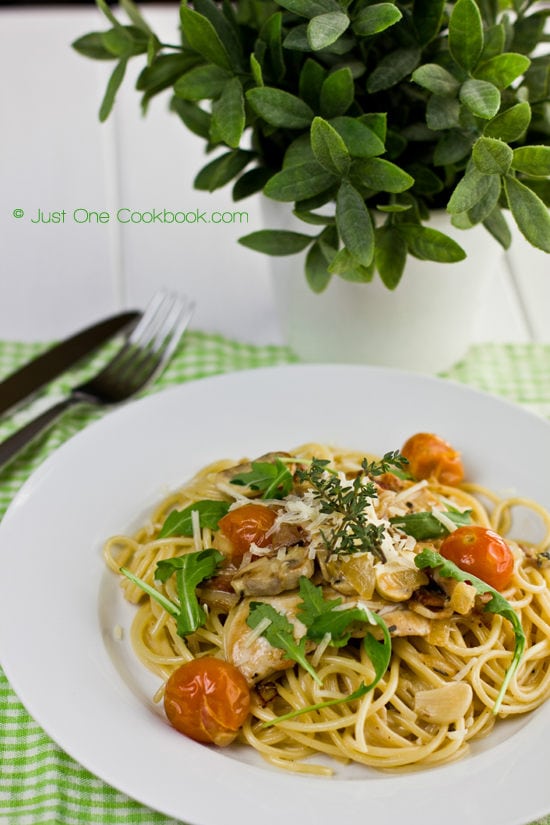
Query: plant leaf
[[276, 241], [312, 76], [329, 147], [495, 223], [203, 37], [468, 191], [297, 183], [430, 244], [280, 108], [324, 29], [511, 124], [280, 634], [194, 118], [425, 526], [221, 170], [361, 141], [466, 34], [272, 478], [492, 157], [381, 175], [374, 19], [228, 116], [201, 83], [115, 81], [309, 8], [316, 269], [532, 160], [180, 522], [530, 213], [355, 224], [393, 68], [436, 79], [503, 69], [92, 45], [480, 97], [390, 255], [442, 113], [427, 17], [251, 182], [337, 93]]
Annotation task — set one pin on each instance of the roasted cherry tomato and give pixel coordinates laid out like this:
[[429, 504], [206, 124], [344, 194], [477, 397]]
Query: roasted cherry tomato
[[429, 456], [246, 525], [208, 700], [481, 552]]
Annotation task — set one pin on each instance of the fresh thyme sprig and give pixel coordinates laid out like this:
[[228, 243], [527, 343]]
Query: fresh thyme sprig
[[355, 533]]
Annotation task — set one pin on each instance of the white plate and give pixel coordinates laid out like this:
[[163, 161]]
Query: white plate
[[58, 605]]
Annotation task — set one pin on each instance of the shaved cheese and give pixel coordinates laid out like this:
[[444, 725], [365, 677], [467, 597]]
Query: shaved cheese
[[410, 492], [255, 634], [197, 535], [445, 520], [324, 643]]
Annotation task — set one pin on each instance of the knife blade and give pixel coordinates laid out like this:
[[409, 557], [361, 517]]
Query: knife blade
[[22, 384]]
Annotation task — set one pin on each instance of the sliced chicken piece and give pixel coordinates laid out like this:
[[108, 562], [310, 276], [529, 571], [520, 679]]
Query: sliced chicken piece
[[269, 575], [255, 657], [402, 622]]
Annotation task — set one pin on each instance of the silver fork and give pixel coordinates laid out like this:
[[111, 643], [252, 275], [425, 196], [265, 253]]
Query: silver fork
[[139, 361]]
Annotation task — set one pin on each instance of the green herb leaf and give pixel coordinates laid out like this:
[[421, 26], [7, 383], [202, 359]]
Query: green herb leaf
[[390, 255], [198, 122], [355, 224], [436, 79], [498, 604], [297, 183], [276, 241], [324, 29], [393, 68], [532, 160], [425, 526], [329, 147], [221, 170], [469, 191], [190, 570], [272, 478], [503, 69], [530, 213], [511, 124], [442, 113], [337, 93], [466, 34], [309, 8], [360, 140], [381, 175], [92, 45], [114, 84], [280, 634], [377, 18], [202, 83], [280, 108], [180, 522], [427, 16], [495, 223], [203, 37], [480, 97], [429, 244], [228, 116], [251, 182], [317, 274], [492, 157]]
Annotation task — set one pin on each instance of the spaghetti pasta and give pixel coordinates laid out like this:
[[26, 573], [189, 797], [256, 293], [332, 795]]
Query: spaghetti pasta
[[450, 653]]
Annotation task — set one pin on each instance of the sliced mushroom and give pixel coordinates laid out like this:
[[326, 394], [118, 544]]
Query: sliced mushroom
[[269, 575], [351, 575], [397, 583], [253, 655], [445, 704], [402, 622]]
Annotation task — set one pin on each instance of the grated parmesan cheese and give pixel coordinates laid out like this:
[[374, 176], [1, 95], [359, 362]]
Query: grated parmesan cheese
[[197, 534], [255, 634], [445, 520]]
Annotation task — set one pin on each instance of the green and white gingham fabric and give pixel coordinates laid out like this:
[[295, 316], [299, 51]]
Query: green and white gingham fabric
[[41, 784]]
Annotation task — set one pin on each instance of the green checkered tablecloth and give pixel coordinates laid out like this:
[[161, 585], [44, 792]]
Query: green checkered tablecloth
[[38, 782]]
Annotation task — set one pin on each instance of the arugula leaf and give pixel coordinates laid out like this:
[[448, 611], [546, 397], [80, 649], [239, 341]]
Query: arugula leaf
[[180, 522], [272, 479], [190, 569], [498, 604], [280, 633], [320, 617], [424, 525]]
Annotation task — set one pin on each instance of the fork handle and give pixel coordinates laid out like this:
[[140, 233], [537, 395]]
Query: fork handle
[[16, 442]]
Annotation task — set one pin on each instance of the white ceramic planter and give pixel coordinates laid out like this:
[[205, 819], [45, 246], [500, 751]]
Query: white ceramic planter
[[426, 324]]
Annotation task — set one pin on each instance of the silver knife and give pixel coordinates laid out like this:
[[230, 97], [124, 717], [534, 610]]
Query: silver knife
[[22, 384]]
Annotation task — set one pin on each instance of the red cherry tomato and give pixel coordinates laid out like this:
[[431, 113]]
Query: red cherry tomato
[[208, 700], [481, 552], [430, 456], [246, 525]]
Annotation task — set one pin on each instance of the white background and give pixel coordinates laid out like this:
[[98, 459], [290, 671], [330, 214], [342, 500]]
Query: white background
[[56, 155]]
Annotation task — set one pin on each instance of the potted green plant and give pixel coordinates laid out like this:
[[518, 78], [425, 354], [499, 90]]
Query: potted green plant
[[365, 118]]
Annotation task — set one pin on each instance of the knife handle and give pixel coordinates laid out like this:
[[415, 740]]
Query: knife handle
[[16, 442]]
